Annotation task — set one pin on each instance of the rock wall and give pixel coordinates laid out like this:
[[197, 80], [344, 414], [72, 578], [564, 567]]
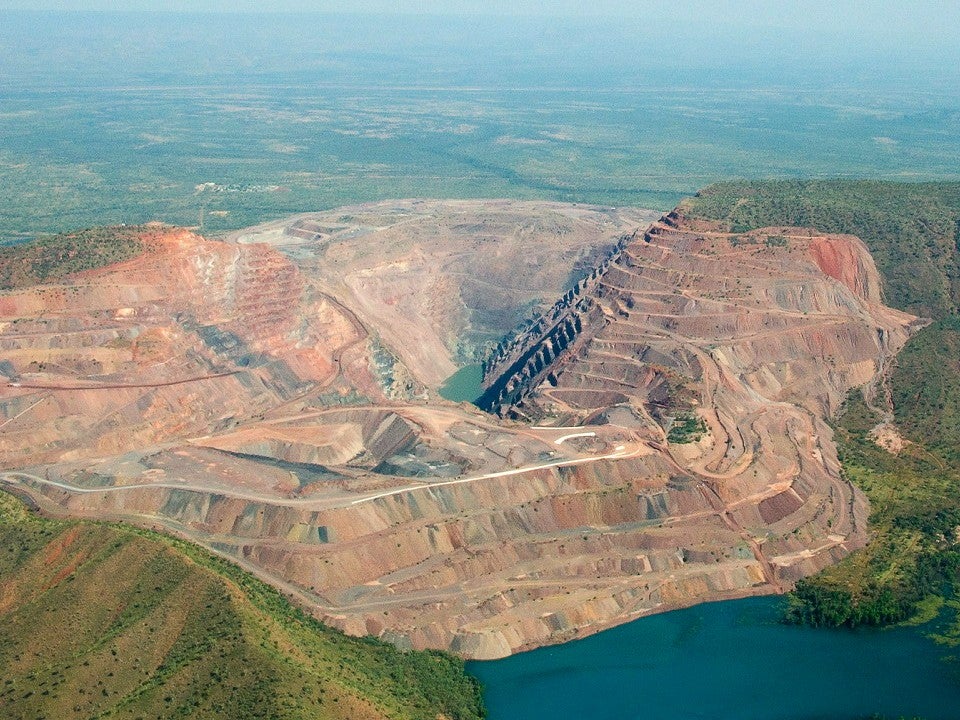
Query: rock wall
[[800, 321], [533, 351], [189, 337]]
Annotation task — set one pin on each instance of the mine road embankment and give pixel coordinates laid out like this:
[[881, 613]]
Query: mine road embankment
[[21, 479], [120, 386]]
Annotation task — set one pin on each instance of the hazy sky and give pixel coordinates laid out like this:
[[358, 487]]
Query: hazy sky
[[912, 13], [894, 20], [907, 41]]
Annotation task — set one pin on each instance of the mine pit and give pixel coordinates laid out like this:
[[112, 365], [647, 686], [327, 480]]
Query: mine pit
[[652, 435]]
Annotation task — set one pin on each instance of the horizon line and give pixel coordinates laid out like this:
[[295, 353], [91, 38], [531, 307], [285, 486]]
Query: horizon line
[[381, 13]]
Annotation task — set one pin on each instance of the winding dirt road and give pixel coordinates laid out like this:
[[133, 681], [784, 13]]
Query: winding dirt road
[[24, 480]]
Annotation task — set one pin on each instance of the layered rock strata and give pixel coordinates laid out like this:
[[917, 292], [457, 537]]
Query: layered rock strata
[[660, 440], [188, 338]]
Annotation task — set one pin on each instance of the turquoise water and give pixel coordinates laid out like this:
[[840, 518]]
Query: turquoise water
[[726, 661], [464, 384]]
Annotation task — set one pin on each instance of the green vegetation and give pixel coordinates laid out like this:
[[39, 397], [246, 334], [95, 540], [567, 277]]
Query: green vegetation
[[926, 389], [224, 144], [913, 551], [686, 428], [53, 258], [102, 621], [912, 229]]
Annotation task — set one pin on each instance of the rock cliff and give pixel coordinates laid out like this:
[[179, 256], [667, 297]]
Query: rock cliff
[[188, 337]]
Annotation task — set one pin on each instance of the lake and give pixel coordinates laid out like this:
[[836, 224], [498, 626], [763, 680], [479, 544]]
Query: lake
[[731, 661], [464, 384]]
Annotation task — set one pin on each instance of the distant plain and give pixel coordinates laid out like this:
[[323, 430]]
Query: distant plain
[[226, 121]]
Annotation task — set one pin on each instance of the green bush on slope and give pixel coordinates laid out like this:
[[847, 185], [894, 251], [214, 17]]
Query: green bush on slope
[[914, 551], [926, 389], [53, 258]]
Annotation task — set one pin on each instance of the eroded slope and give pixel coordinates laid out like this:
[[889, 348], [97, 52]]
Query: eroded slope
[[440, 280], [187, 337]]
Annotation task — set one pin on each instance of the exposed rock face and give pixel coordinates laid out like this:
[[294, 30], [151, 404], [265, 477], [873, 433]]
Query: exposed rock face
[[189, 337], [764, 306], [284, 443], [439, 281]]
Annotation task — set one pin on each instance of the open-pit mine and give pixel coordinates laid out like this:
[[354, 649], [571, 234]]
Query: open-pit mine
[[652, 431]]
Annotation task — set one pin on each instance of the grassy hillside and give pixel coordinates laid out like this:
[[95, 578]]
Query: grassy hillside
[[911, 567], [102, 621], [912, 229], [926, 389], [914, 552], [57, 256]]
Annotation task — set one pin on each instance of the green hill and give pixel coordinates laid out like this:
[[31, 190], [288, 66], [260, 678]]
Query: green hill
[[53, 258], [104, 621], [913, 557], [926, 389]]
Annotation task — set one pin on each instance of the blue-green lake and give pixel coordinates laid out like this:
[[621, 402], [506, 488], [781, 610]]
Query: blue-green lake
[[464, 384], [727, 661]]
